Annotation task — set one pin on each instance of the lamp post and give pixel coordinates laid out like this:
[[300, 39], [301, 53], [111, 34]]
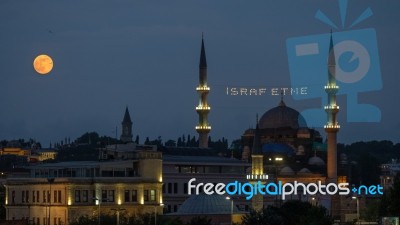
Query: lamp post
[[358, 208], [50, 181], [155, 213], [117, 212], [229, 198], [99, 202]]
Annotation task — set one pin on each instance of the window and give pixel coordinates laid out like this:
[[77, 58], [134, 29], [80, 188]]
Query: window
[[55, 196], [185, 188], [38, 221], [48, 196], [27, 196], [59, 196], [163, 188], [37, 197], [127, 196], [13, 197], [111, 195], [146, 195], [33, 196], [175, 188], [77, 195], [104, 196], [134, 196], [44, 196], [23, 196], [85, 196], [152, 195], [169, 188]]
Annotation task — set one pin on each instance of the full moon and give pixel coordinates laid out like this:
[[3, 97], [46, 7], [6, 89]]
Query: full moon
[[43, 64]]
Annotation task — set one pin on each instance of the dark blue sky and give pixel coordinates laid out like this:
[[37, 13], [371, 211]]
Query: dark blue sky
[[108, 55]]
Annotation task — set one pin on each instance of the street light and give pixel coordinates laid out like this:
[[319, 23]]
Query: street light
[[229, 198], [50, 180], [99, 202], [155, 213], [358, 208], [117, 211]]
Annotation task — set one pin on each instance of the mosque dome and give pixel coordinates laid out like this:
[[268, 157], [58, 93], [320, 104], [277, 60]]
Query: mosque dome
[[286, 171], [278, 148], [282, 116], [304, 171], [204, 204], [316, 161]]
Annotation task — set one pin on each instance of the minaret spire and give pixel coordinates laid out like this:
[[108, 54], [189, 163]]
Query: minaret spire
[[332, 126], [257, 167], [203, 127]]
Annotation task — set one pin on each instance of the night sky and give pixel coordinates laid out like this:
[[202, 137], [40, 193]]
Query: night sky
[[112, 54]]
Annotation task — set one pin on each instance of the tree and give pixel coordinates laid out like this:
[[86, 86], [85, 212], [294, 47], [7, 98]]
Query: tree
[[290, 213], [170, 143], [137, 139], [199, 220]]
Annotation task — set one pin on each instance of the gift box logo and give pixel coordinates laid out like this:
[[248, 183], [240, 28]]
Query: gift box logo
[[357, 68]]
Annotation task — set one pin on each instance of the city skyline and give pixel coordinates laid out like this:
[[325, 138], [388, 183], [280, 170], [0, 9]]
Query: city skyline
[[145, 56]]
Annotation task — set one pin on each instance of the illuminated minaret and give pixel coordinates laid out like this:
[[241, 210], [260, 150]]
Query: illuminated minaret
[[332, 126], [257, 168], [203, 128]]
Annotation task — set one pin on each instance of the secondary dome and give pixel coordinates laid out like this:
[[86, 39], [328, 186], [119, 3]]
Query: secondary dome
[[203, 204], [282, 116], [316, 161]]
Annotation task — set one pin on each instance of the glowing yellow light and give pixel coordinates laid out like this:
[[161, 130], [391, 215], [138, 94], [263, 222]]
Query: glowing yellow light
[[278, 159], [43, 64], [69, 200], [141, 200], [203, 127], [203, 88]]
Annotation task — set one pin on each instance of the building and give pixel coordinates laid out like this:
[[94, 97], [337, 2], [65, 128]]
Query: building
[[58, 193]]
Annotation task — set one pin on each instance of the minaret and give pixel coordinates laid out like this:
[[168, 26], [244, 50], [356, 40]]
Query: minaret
[[203, 128], [126, 135], [332, 126], [257, 168]]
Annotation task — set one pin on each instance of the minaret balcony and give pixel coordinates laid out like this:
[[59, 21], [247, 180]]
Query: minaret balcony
[[336, 126], [331, 87], [203, 128], [202, 88], [332, 107], [203, 108]]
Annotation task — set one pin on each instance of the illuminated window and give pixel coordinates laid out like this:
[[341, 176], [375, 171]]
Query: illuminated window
[[152, 195]]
